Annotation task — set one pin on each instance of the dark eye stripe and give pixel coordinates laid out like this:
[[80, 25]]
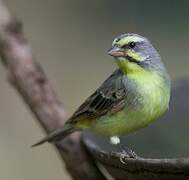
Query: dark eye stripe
[[129, 45], [131, 59], [132, 44], [124, 46]]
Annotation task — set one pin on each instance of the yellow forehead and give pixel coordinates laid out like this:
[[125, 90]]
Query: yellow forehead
[[127, 39]]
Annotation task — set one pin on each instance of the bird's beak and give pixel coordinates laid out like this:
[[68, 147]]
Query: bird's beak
[[116, 51]]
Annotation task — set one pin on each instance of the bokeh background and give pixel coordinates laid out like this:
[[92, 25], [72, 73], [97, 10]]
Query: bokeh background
[[70, 39]]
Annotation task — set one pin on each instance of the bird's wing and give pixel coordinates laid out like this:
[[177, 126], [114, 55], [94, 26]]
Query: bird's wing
[[108, 99]]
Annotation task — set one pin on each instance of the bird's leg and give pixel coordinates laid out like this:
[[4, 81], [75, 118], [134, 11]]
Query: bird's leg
[[125, 152]]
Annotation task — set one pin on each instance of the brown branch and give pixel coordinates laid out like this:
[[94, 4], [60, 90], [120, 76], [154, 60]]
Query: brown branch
[[139, 168], [30, 81]]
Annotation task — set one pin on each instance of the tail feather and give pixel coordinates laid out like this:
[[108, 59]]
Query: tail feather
[[55, 135]]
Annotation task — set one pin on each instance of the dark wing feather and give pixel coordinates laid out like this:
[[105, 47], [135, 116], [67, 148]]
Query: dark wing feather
[[108, 99]]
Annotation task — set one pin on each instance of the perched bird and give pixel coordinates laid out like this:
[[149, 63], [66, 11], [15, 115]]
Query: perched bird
[[136, 94]]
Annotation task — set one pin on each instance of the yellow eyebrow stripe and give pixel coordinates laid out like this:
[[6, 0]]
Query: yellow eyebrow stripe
[[127, 39], [132, 39]]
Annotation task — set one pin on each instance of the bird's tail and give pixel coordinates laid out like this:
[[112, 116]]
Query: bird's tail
[[56, 135]]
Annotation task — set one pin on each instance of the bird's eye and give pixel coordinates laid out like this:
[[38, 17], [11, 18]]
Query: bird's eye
[[132, 44]]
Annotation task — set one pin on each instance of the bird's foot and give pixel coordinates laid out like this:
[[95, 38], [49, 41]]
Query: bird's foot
[[126, 153]]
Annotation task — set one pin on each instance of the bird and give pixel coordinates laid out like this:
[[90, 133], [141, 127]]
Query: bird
[[132, 97]]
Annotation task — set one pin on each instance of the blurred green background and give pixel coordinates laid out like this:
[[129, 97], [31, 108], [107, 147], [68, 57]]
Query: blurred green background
[[70, 39]]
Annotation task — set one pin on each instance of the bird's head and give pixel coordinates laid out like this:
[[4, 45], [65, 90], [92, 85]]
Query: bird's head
[[135, 53]]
